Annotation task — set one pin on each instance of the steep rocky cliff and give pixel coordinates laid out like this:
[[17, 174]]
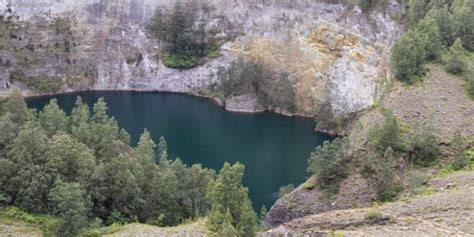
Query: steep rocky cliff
[[328, 52]]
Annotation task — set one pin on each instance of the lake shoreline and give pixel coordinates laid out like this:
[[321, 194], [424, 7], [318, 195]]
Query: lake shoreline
[[199, 132], [217, 101]]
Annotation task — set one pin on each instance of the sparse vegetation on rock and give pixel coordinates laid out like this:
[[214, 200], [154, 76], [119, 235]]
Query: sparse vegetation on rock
[[244, 76], [187, 39], [329, 163]]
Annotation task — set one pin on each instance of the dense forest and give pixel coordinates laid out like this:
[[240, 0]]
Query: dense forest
[[83, 169]]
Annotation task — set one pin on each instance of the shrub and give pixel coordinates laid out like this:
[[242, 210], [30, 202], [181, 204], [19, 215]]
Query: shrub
[[432, 41], [329, 164], [284, 190], [424, 146], [470, 86], [184, 35], [444, 20], [408, 56], [463, 22], [250, 77], [180, 61], [454, 60], [386, 135], [373, 216], [40, 83], [459, 146], [381, 169]]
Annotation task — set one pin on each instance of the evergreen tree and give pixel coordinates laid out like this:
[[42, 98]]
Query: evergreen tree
[[163, 153], [416, 11], [424, 146], [429, 32], [463, 22], [71, 204], [387, 135], [16, 106], [53, 119], [8, 131], [226, 193], [454, 60], [444, 20], [328, 163], [196, 182], [408, 56], [81, 124], [146, 146], [387, 186], [32, 182], [458, 145], [71, 160], [263, 216]]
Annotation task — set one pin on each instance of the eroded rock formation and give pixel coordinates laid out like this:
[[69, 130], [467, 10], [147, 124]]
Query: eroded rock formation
[[329, 53]]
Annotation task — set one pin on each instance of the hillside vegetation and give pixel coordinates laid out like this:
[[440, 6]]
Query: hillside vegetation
[[82, 170]]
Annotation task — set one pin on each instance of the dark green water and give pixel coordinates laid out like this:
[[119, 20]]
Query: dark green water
[[273, 148]]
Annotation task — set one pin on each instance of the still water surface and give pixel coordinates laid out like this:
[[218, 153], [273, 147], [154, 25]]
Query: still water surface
[[273, 148]]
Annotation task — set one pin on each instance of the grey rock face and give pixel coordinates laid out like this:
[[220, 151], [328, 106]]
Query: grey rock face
[[328, 53]]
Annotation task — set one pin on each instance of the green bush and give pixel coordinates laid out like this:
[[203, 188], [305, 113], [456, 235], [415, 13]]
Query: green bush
[[329, 164], [385, 135], [42, 83], [373, 216], [284, 190], [408, 56], [381, 169], [454, 60], [424, 147], [180, 61], [459, 146], [470, 86], [249, 77], [184, 35]]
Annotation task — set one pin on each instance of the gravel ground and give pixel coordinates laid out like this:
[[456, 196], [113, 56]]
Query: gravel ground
[[447, 212], [440, 99]]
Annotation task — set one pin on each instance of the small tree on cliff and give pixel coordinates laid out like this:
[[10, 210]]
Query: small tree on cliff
[[328, 163]]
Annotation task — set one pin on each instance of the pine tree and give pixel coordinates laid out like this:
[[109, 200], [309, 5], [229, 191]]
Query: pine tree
[[146, 146], [463, 22], [444, 20], [328, 163], [16, 106], [432, 41], [458, 145], [262, 217], [454, 60], [387, 135], [71, 160], [408, 56], [81, 124], [163, 153], [72, 205], [53, 119], [226, 193]]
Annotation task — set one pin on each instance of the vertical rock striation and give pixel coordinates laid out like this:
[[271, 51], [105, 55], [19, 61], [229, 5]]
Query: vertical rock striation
[[329, 53]]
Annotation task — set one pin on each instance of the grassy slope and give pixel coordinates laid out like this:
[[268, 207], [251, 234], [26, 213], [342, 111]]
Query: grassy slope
[[14, 222]]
